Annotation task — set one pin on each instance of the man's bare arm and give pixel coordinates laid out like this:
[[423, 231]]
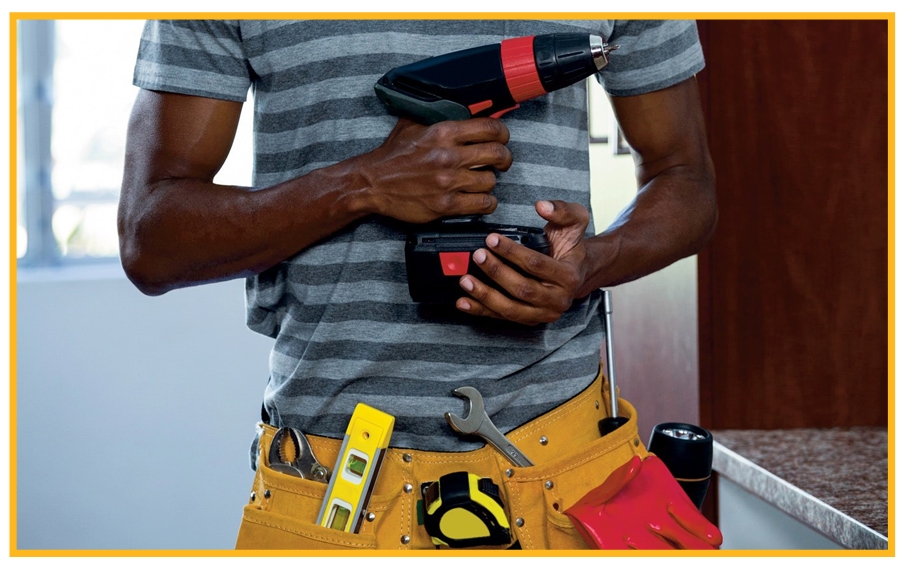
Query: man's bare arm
[[177, 228], [674, 213], [672, 216]]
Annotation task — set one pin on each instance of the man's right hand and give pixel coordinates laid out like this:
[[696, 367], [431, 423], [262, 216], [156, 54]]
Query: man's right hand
[[178, 228], [421, 173]]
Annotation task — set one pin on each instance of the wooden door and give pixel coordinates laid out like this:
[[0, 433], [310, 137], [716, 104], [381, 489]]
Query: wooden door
[[793, 289]]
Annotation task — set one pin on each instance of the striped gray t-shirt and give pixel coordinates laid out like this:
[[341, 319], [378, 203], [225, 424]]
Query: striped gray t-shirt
[[344, 325]]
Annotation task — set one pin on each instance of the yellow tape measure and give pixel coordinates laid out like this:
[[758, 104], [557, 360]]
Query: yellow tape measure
[[463, 510], [355, 472]]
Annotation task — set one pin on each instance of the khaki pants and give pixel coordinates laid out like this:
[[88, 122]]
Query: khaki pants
[[570, 456]]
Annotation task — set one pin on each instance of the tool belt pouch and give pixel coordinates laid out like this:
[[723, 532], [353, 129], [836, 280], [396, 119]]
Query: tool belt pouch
[[437, 255], [641, 506]]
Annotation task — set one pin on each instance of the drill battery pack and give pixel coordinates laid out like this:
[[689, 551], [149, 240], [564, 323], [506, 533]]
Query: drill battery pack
[[438, 255]]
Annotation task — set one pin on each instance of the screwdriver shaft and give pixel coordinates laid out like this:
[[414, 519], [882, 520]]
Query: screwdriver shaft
[[610, 355]]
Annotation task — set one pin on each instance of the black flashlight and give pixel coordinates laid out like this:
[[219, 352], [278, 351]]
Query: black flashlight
[[687, 452]]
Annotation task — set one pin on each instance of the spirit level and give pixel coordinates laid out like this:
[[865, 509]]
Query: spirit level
[[356, 469]]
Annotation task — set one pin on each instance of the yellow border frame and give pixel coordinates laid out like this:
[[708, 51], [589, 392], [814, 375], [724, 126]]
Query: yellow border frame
[[13, 38]]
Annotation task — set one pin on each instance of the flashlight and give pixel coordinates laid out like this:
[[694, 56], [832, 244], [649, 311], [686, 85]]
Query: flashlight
[[687, 451]]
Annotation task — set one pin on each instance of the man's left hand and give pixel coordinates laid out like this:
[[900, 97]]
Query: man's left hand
[[557, 278]]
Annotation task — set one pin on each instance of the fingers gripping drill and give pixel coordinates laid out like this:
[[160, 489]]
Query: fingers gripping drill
[[483, 81]]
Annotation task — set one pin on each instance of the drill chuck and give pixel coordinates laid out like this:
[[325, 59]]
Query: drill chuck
[[565, 59]]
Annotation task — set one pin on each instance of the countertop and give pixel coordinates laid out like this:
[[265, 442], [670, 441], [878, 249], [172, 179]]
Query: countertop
[[834, 480]]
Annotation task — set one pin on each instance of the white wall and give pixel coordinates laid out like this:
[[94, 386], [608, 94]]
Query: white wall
[[134, 414]]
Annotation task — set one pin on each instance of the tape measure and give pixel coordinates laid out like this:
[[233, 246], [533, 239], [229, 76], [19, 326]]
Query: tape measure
[[463, 510]]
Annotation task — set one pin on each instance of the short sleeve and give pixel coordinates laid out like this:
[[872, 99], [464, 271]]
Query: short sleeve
[[652, 55], [193, 57]]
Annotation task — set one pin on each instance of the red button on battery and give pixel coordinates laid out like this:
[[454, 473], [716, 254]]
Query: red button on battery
[[454, 263]]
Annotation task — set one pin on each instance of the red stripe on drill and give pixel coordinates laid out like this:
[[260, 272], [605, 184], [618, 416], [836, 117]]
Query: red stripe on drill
[[520, 68], [477, 107]]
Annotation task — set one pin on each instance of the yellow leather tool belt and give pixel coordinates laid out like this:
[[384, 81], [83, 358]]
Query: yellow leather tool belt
[[569, 454]]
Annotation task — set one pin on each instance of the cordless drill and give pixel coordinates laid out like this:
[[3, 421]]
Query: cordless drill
[[489, 80]]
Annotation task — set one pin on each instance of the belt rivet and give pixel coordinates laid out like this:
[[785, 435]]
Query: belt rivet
[[267, 494], [509, 472], [636, 442], [408, 488], [405, 539], [544, 440], [253, 496], [406, 458], [519, 522], [370, 516], [549, 484]]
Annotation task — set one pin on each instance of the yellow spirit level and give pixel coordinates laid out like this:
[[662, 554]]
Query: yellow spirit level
[[462, 510], [355, 472]]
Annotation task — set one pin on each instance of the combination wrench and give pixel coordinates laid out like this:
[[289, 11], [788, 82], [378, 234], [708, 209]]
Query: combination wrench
[[478, 423]]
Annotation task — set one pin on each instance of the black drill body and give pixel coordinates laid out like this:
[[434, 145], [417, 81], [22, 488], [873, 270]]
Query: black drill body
[[478, 81]]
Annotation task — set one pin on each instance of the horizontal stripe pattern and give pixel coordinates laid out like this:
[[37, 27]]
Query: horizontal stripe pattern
[[345, 329], [652, 56]]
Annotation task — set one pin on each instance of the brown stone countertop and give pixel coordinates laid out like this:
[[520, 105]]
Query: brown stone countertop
[[834, 480]]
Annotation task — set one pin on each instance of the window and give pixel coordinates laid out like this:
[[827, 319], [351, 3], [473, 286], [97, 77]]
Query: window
[[75, 93], [601, 122]]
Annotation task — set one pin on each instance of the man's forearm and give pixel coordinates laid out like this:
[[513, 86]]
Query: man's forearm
[[672, 217], [184, 232], [177, 228]]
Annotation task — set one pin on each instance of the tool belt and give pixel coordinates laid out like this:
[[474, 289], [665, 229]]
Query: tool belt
[[565, 444]]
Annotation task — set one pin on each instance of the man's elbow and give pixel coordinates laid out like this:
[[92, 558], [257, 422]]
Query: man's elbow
[[139, 269], [139, 264]]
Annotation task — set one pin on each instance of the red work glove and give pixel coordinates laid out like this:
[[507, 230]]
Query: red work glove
[[641, 506]]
